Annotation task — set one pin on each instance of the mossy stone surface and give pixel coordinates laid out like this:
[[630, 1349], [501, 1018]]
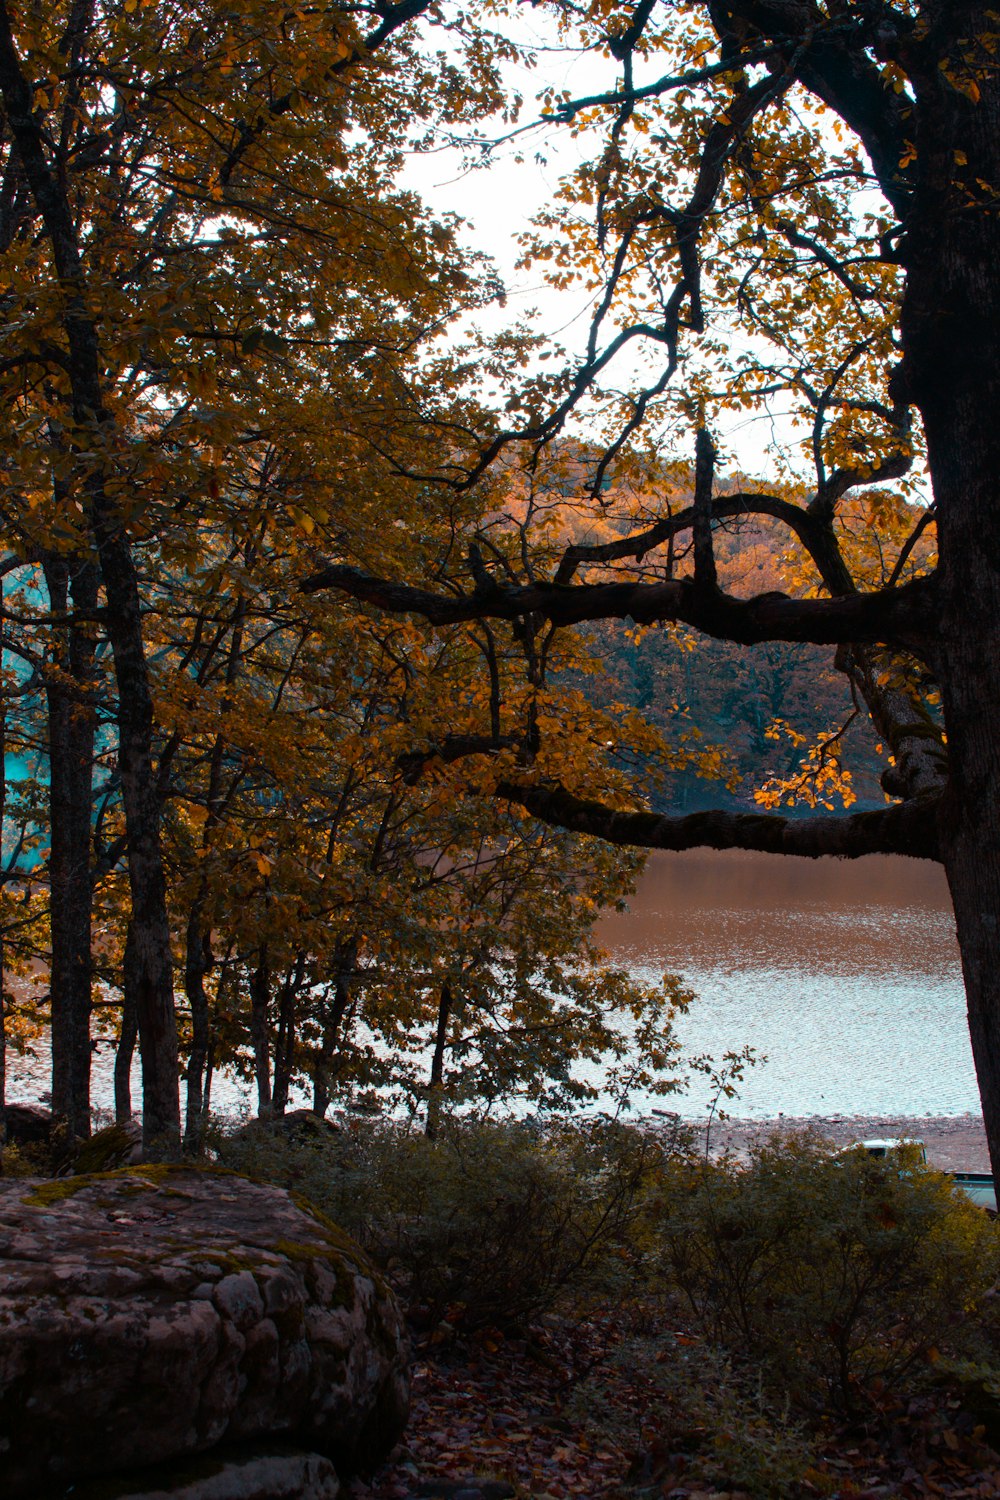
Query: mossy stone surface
[[150, 1313]]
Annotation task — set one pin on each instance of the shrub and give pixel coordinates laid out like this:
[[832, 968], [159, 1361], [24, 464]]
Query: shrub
[[489, 1223], [831, 1271], [680, 1406]]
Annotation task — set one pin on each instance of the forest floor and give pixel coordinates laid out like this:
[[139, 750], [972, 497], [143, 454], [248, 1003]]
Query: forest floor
[[565, 1411], [569, 1409]]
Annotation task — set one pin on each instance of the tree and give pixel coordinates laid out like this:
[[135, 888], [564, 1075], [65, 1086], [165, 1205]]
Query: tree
[[187, 196], [721, 226]]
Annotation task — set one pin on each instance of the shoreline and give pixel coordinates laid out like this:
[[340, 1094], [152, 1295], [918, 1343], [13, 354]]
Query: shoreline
[[954, 1143]]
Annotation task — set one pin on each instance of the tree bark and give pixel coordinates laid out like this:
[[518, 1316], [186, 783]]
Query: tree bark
[[435, 1092], [71, 730], [3, 882], [197, 963], [129, 1035], [952, 371], [346, 958], [260, 999], [284, 1052], [94, 430]]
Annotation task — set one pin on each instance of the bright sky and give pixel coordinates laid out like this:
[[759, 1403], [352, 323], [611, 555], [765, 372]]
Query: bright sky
[[498, 201]]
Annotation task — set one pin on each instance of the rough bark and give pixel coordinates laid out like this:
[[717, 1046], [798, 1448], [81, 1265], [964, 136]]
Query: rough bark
[[128, 1036], [952, 371], [71, 730]]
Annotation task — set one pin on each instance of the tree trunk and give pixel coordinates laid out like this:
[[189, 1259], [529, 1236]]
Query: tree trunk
[[127, 1039], [197, 963], [3, 882], [284, 1052], [71, 727], [952, 371], [260, 999], [435, 1093], [333, 1020]]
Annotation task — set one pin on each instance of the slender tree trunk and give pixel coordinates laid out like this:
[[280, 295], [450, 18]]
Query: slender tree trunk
[[71, 727], [435, 1093], [284, 1052], [951, 369], [93, 440], [333, 1020], [128, 1037], [3, 882], [197, 963], [260, 999]]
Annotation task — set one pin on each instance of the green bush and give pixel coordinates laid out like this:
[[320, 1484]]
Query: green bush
[[686, 1408], [486, 1225], [828, 1271]]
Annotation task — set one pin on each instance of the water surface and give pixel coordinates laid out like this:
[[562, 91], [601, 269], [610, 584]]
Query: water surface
[[845, 973]]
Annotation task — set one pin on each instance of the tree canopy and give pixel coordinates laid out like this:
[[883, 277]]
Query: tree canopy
[[230, 406]]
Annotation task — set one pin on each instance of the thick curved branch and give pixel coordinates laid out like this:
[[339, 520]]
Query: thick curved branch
[[903, 617], [904, 828], [724, 508]]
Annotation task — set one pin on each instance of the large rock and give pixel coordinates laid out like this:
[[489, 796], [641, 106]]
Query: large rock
[[156, 1312]]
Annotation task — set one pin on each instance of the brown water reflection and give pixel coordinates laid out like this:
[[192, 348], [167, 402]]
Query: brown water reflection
[[881, 912]]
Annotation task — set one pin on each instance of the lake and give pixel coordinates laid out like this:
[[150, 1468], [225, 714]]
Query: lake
[[844, 972]]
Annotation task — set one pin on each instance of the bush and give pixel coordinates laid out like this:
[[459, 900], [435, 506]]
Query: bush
[[830, 1271], [486, 1225], [687, 1410]]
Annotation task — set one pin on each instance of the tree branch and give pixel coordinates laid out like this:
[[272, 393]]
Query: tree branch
[[903, 617], [904, 828]]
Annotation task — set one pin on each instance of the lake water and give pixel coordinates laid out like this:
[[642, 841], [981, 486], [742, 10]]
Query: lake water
[[845, 973]]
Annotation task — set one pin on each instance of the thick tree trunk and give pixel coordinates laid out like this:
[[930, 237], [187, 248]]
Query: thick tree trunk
[[952, 370], [71, 726], [151, 974]]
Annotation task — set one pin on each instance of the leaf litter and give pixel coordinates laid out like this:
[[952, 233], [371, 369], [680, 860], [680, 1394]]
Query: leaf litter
[[562, 1411]]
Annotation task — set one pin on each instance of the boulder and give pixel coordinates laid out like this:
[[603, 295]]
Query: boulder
[[156, 1312], [27, 1125]]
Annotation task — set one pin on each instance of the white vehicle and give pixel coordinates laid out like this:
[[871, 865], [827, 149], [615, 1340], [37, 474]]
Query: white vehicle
[[979, 1186]]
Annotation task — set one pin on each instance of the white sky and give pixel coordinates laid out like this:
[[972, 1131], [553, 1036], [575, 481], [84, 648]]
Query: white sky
[[498, 201]]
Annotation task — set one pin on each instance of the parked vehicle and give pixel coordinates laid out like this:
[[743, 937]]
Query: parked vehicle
[[979, 1186]]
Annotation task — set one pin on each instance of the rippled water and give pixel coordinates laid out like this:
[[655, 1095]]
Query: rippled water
[[846, 974]]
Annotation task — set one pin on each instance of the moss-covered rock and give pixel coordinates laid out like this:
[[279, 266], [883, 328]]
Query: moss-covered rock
[[156, 1312]]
